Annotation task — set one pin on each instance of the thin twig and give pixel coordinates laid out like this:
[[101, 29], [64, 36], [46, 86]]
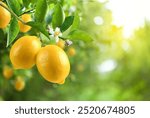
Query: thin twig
[[29, 11]]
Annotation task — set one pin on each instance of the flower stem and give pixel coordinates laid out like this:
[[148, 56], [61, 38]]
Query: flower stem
[[62, 38], [1, 4]]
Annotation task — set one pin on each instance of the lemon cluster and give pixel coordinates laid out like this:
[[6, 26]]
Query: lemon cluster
[[51, 61]]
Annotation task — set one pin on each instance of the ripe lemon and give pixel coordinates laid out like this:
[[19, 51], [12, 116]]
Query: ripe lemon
[[61, 44], [53, 64], [19, 83], [23, 52], [26, 18], [71, 51], [7, 72], [5, 16]]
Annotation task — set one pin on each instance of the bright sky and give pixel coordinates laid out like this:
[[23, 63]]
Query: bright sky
[[129, 13]]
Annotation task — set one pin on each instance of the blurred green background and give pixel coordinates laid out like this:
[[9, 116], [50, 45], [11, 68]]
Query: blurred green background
[[109, 68]]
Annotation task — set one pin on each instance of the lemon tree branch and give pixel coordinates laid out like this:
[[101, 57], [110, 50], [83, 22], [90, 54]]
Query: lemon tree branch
[[29, 11]]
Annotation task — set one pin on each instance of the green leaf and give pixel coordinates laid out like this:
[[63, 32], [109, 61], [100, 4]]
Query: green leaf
[[55, 1], [80, 35], [52, 1], [39, 27], [41, 8], [33, 1], [13, 31], [67, 23], [58, 16], [76, 22], [26, 2], [15, 6], [48, 18]]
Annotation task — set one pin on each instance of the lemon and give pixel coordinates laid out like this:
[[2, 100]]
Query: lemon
[[7, 72], [53, 64], [26, 18], [23, 52], [71, 51], [5, 16], [19, 83], [61, 44]]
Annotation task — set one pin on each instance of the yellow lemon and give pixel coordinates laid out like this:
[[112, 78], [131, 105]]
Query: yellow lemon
[[5, 16], [26, 18], [23, 52], [61, 44], [8, 72], [53, 64], [19, 83], [71, 51]]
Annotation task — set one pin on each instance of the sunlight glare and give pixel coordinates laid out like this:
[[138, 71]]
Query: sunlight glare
[[129, 13], [102, 1], [107, 66], [98, 20]]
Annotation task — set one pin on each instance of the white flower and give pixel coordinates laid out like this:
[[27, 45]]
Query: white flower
[[68, 42], [56, 34], [72, 9]]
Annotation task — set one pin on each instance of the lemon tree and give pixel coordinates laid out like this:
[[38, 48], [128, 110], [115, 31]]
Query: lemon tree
[[38, 34], [56, 23]]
